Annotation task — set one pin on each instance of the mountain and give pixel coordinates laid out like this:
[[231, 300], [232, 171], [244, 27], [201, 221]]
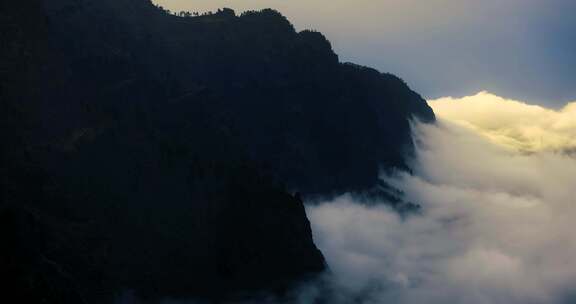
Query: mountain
[[166, 156]]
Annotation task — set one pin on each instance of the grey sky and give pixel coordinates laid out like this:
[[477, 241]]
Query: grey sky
[[522, 49]]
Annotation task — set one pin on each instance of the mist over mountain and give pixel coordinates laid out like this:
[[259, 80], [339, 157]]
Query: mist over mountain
[[165, 156], [496, 224]]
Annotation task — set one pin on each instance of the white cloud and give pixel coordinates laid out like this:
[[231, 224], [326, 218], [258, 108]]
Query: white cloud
[[497, 224], [512, 123]]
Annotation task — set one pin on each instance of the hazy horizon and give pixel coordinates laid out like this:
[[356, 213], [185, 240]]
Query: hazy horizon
[[517, 49]]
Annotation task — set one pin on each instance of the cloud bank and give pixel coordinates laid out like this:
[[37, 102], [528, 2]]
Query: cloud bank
[[512, 123], [497, 224]]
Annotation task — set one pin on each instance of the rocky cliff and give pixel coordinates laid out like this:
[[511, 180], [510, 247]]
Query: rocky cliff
[[148, 152]]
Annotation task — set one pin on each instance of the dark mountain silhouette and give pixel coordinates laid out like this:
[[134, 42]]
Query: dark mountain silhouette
[[147, 152]]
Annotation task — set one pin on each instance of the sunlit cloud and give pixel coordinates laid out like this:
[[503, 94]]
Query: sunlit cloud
[[512, 123]]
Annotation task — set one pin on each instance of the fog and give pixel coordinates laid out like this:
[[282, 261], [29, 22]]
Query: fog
[[497, 216]]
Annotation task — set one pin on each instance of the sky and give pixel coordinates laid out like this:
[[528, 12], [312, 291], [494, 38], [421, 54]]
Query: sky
[[519, 49]]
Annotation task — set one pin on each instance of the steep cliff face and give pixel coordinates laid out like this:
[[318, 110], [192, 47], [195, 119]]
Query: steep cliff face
[[154, 153], [280, 96]]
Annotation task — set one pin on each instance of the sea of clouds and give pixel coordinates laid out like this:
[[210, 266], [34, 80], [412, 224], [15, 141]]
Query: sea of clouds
[[496, 179]]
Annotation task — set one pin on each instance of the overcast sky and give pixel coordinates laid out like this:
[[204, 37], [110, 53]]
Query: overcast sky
[[522, 49]]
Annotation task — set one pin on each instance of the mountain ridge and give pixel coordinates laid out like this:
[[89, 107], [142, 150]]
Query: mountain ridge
[[156, 153]]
